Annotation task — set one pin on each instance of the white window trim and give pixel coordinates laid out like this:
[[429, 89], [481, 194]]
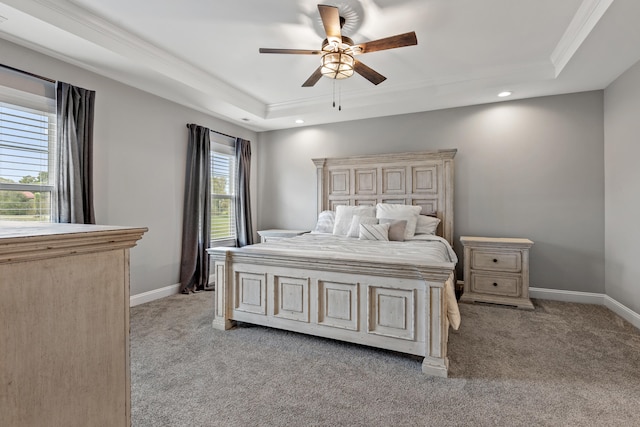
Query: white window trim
[[23, 92], [224, 145]]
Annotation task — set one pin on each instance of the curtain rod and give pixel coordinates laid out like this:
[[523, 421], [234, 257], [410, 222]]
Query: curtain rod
[[220, 133], [27, 73]]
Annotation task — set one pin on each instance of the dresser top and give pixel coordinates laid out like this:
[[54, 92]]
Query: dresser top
[[495, 241], [23, 241], [13, 229]]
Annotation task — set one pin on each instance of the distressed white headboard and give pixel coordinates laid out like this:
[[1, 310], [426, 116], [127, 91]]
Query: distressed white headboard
[[421, 179]]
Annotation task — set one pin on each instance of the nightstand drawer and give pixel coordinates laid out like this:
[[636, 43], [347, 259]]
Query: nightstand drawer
[[496, 285], [511, 262]]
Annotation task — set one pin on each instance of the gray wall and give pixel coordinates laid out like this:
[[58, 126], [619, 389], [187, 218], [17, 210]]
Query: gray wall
[[622, 180], [140, 143], [528, 168]]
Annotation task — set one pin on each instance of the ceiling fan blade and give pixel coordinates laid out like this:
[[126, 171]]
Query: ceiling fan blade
[[368, 73], [401, 40], [313, 79], [331, 20], [291, 51]]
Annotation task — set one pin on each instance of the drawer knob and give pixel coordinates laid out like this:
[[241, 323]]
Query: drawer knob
[[495, 260], [495, 284]]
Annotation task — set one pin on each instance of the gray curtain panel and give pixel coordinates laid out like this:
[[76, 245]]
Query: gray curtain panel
[[194, 266], [244, 229], [73, 200]]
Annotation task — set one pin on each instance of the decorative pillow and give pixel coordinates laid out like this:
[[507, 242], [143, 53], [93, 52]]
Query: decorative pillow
[[427, 224], [397, 228], [344, 215], [354, 230], [374, 232], [406, 212], [326, 220]]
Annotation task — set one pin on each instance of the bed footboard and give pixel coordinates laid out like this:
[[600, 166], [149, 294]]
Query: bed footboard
[[395, 307]]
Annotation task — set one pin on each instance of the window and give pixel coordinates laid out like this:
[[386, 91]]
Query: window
[[223, 191], [27, 140]]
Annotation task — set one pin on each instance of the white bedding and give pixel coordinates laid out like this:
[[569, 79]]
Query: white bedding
[[421, 250]]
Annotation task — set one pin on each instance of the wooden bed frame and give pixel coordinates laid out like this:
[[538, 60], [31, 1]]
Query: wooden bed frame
[[400, 307]]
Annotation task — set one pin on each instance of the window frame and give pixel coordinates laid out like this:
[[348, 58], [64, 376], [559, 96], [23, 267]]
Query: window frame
[[39, 104], [222, 145]]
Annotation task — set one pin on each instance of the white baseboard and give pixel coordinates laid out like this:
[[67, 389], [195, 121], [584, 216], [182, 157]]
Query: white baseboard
[[567, 296], [153, 295], [623, 311], [158, 293], [588, 298]]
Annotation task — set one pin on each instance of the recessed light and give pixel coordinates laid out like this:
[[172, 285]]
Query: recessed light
[[505, 93], [299, 121]]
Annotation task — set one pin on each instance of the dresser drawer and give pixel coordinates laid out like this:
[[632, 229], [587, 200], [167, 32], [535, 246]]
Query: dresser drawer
[[496, 285], [496, 261]]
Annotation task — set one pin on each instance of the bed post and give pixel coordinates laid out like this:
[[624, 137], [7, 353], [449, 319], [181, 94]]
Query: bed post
[[447, 226], [223, 272], [435, 360], [320, 163]]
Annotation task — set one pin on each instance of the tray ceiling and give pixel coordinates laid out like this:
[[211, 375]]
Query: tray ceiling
[[204, 54]]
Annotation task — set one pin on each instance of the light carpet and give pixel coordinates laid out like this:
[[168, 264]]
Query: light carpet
[[563, 364]]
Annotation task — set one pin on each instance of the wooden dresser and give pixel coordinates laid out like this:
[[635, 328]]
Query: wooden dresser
[[64, 324], [496, 270]]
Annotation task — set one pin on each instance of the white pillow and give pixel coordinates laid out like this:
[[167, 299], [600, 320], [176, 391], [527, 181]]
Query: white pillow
[[406, 212], [326, 220], [427, 224], [344, 215], [354, 230], [374, 232]]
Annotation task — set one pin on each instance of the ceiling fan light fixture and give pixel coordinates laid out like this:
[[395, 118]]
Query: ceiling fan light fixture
[[337, 65]]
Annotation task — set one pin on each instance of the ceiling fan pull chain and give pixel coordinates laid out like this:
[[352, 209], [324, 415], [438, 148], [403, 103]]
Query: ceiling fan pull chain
[[334, 93], [339, 97]]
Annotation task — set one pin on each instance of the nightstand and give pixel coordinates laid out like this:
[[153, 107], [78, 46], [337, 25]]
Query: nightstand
[[496, 270], [275, 234]]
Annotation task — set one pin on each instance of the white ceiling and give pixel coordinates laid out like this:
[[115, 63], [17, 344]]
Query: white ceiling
[[204, 53]]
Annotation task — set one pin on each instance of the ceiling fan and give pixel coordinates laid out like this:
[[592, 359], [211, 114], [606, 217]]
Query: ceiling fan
[[338, 51]]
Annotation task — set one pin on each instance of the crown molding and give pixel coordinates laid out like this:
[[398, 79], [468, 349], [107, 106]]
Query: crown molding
[[541, 70], [583, 22], [75, 20], [142, 84]]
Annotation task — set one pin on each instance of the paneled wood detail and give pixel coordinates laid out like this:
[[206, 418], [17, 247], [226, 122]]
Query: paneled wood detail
[[339, 182], [391, 312], [429, 206], [394, 201], [251, 293], [335, 203], [496, 270], [420, 178], [338, 305], [365, 181], [366, 202], [402, 307], [393, 180], [64, 324], [425, 179], [220, 281], [291, 298]]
